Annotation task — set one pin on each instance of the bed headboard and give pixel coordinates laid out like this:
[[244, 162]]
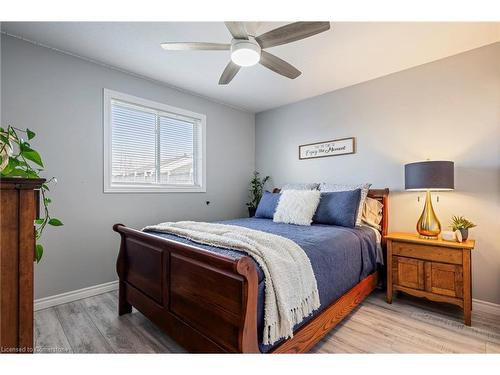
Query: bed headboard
[[382, 195]]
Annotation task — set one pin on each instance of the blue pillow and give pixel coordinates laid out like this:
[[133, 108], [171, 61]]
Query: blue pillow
[[267, 205], [338, 208]]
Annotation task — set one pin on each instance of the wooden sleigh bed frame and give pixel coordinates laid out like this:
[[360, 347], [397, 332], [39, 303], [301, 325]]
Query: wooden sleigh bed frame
[[208, 302]]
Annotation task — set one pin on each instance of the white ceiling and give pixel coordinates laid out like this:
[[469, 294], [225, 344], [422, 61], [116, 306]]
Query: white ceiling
[[347, 54]]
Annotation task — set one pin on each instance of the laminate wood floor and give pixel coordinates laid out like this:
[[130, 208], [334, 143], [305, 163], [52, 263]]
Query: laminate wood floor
[[409, 325]]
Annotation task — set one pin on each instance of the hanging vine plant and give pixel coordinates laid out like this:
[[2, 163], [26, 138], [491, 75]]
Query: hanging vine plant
[[18, 159]]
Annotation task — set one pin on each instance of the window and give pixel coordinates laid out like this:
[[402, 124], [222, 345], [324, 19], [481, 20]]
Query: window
[[152, 147]]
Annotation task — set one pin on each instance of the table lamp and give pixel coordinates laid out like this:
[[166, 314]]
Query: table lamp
[[429, 176]]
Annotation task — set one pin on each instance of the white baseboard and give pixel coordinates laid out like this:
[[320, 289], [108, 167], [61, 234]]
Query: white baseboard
[[75, 295], [59, 299], [485, 306]]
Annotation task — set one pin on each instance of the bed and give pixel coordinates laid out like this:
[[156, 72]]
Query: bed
[[211, 300]]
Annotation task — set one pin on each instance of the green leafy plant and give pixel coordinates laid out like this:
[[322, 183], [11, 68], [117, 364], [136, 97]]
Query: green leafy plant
[[18, 159], [460, 222], [256, 189]]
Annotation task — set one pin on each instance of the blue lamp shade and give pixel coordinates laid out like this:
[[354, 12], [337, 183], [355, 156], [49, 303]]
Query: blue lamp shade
[[430, 175]]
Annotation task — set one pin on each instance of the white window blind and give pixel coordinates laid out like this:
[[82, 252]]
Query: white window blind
[[133, 145], [152, 147], [178, 143]]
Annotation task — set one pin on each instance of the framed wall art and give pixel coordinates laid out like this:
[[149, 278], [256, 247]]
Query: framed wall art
[[335, 147]]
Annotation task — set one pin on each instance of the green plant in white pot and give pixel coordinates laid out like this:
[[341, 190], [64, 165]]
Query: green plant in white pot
[[256, 189], [19, 159], [463, 225]]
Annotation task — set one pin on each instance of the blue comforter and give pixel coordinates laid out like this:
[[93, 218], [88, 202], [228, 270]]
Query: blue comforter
[[340, 258]]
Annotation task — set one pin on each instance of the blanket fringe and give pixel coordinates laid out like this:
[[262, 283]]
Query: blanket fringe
[[275, 331]]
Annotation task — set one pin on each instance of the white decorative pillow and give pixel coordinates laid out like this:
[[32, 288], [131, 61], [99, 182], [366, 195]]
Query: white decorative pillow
[[297, 206], [372, 213], [301, 186], [326, 188]]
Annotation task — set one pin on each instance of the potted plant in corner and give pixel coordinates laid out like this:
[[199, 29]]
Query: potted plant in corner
[[19, 159], [256, 189], [463, 225]]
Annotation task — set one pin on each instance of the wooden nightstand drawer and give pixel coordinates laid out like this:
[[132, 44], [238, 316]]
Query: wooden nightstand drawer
[[444, 279], [408, 272], [426, 252]]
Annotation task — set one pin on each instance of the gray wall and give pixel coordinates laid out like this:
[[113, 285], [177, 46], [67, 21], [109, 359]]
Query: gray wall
[[60, 98], [448, 109]]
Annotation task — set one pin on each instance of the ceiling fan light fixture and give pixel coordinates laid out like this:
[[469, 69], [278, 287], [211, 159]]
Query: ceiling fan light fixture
[[245, 52], [248, 49]]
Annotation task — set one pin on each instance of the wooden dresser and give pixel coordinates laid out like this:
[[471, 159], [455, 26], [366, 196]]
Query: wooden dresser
[[434, 269], [18, 208]]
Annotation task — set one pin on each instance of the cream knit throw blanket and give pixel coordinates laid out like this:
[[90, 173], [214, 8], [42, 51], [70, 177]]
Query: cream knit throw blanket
[[291, 290]]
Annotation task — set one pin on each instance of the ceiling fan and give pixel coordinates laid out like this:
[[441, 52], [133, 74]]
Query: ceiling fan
[[247, 49]]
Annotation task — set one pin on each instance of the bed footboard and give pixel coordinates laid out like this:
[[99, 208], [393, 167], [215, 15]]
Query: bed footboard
[[204, 301]]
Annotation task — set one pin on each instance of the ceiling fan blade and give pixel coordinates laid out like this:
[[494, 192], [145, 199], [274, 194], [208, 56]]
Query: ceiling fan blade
[[279, 66], [229, 73], [237, 30], [186, 46], [252, 27], [291, 33]]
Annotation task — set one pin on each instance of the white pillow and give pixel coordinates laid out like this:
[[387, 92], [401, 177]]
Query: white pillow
[[326, 188], [297, 206], [372, 213]]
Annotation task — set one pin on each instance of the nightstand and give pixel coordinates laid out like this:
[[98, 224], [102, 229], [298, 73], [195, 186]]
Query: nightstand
[[434, 269]]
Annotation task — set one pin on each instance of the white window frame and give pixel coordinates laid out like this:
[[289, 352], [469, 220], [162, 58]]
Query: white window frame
[[110, 187]]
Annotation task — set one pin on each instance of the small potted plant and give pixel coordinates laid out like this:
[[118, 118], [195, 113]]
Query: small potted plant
[[463, 225], [256, 189]]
